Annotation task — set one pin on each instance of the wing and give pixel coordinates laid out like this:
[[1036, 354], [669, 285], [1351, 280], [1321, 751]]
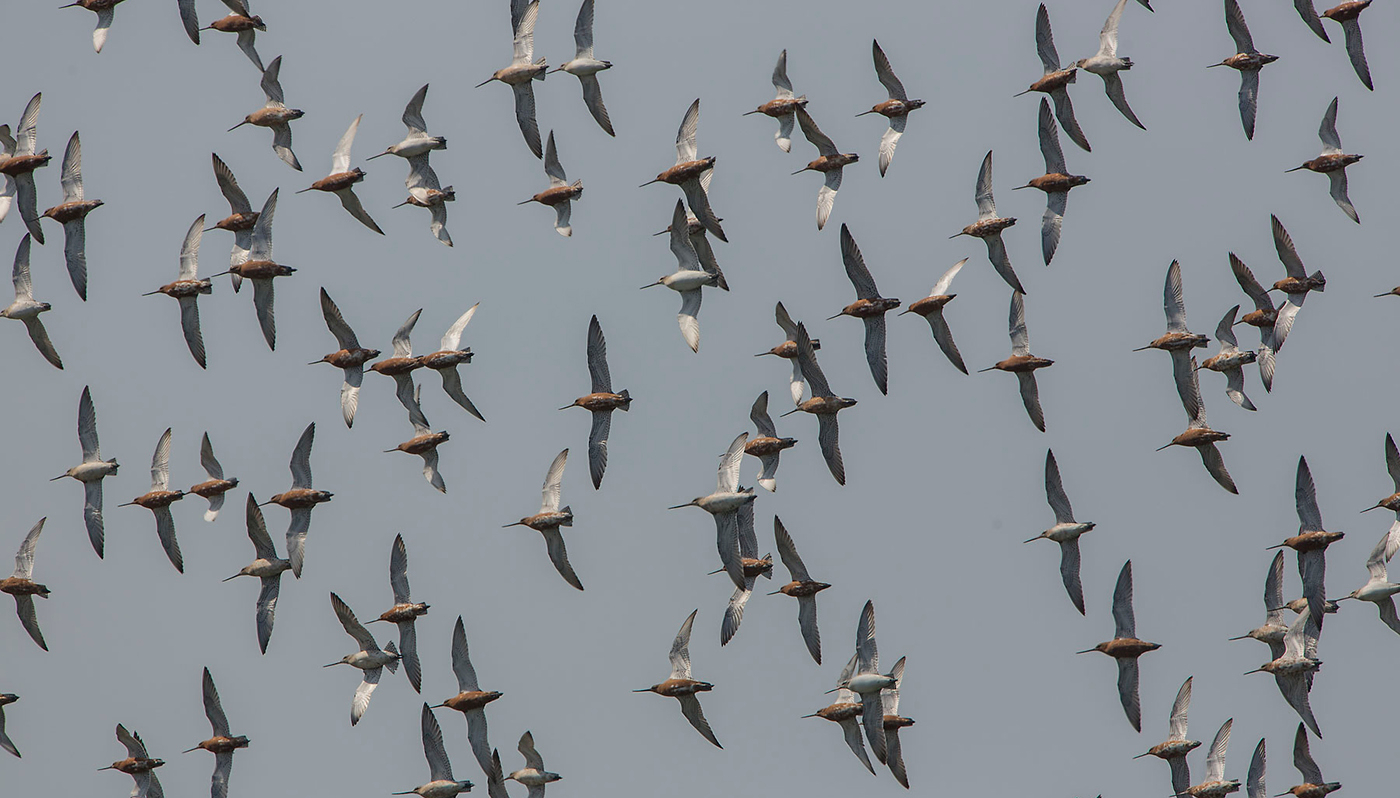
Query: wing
[[1287, 253], [134, 747], [598, 445], [1327, 131], [1064, 111], [413, 112], [1128, 690], [1215, 464], [1295, 692], [27, 134], [40, 337], [296, 539], [598, 359], [583, 31], [1225, 332], [1051, 223], [24, 558], [680, 649], [208, 460], [403, 345], [1357, 52], [24, 607], [1239, 31], [1181, 775], [267, 609], [1173, 300], [360, 702], [481, 749], [75, 254], [1069, 573], [1050, 141], [728, 480], [894, 757], [1055, 491], [398, 571], [1113, 86], [1215, 760], [1045, 41], [807, 622], [986, 205], [851, 730], [552, 166], [888, 141], [335, 322], [1302, 758], [247, 43], [1108, 36], [352, 626], [452, 384], [873, 717], [593, 98], [680, 241], [1250, 285], [1392, 456], [814, 134], [24, 285], [996, 253], [855, 267], [527, 749], [549, 501], [1256, 788], [28, 205], [301, 457], [408, 650], [562, 213], [780, 76], [72, 175], [271, 87], [1176, 725], [213, 709], [1249, 100], [189, 324], [1123, 624], [889, 81], [462, 661], [228, 186], [807, 362], [759, 415], [282, 145], [780, 315], [92, 514], [698, 198], [875, 351], [867, 654], [1308, 12], [351, 203], [189, 19], [943, 335], [690, 708], [522, 23], [1376, 562], [734, 612], [1030, 397], [439, 768], [686, 148], [340, 158], [1273, 590], [160, 463], [1338, 181], [727, 542], [261, 245], [828, 436], [1305, 498], [689, 324]]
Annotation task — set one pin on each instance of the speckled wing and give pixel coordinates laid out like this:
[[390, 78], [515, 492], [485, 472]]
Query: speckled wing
[[886, 75], [462, 663], [996, 253], [29, 204], [363, 692], [1338, 181], [257, 531], [1249, 100], [189, 325], [554, 543], [1128, 691], [1045, 41], [598, 445], [525, 116], [24, 607], [873, 718], [189, 19], [1357, 52], [408, 651], [282, 145], [1123, 623], [352, 626], [828, 436], [1295, 692], [1308, 12], [1030, 398], [1069, 572], [875, 351], [92, 514], [1181, 774], [850, 729], [687, 318], [165, 530], [598, 359], [1113, 87], [1215, 464], [690, 708], [1064, 111], [301, 458], [1255, 781], [1327, 130], [267, 609], [686, 147], [680, 649], [213, 708], [351, 203], [986, 203], [727, 542], [734, 612]]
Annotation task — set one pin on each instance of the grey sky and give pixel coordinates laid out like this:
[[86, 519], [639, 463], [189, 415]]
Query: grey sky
[[945, 474]]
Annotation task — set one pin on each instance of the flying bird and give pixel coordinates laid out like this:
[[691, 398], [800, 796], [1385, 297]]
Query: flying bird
[[931, 308], [342, 179], [1199, 435], [138, 764], [753, 569], [350, 357], [766, 445], [1106, 63], [524, 67], [244, 23], [267, 567], [889, 697], [1311, 542], [1215, 784], [687, 280], [788, 351], [829, 162], [72, 213], [300, 499], [783, 106], [802, 587], [262, 269], [1230, 361], [1178, 341], [22, 586], [222, 744], [424, 443], [425, 191], [844, 711], [560, 192], [441, 782], [586, 68], [401, 364], [18, 160], [867, 682], [988, 226], [1022, 363], [1314, 785], [1174, 750], [275, 115], [533, 775], [1295, 285], [1378, 590], [92, 470], [1264, 317], [1056, 183], [601, 402], [404, 612], [213, 488], [896, 109], [451, 354], [1247, 61], [416, 143], [105, 10], [1271, 632], [159, 498], [683, 688], [470, 700], [240, 221], [724, 504], [692, 173], [370, 658], [26, 309], [1065, 532], [551, 517], [1293, 670], [1055, 82], [1348, 16], [1125, 647], [187, 288], [823, 404], [1332, 162], [869, 307]]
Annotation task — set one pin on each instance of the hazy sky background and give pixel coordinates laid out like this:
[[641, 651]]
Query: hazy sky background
[[945, 474]]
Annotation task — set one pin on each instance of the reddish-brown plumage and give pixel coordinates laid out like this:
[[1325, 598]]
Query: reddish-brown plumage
[[1313, 541], [214, 487], [1248, 61], [893, 722], [236, 23], [1313, 790], [929, 304], [1052, 81], [827, 163], [1019, 363], [396, 365], [690, 170], [558, 194], [1179, 341], [1199, 436], [237, 221], [403, 612], [986, 227], [676, 688], [788, 349], [761, 447], [828, 405], [800, 589], [839, 712], [445, 359], [223, 745], [1391, 502], [1260, 318], [132, 765], [1173, 749], [1126, 647], [275, 115], [186, 288], [781, 106], [18, 586], [339, 180], [603, 401], [69, 211], [756, 568], [867, 308], [1322, 163], [471, 699], [301, 498], [1301, 285], [423, 443], [1346, 11], [349, 358], [261, 269], [543, 521], [158, 498], [20, 164], [1057, 182], [893, 108]]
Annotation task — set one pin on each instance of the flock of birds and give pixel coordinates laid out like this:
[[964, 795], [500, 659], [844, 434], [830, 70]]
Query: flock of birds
[[867, 698]]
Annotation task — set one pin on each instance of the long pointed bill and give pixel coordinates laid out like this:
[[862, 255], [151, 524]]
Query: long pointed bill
[[649, 285], [1019, 93], [235, 576], [244, 122], [1160, 448], [679, 506], [1241, 637], [61, 476], [788, 413], [649, 182], [1087, 651], [196, 748], [483, 83], [837, 316], [955, 235]]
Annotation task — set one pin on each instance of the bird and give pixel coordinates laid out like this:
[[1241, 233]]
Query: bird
[[1065, 532], [1271, 632], [1106, 63], [18, 160], [301, 498], [823, 404], [342, 179], [1295, 286], [240, 221], [1125, 647], [1200, 436], [1311, 542], [551, 517], [26, 309], [104, 10], [267, 567], [223, 743], [601, 402], [844, 711], [404, 612], [788, 351], [1056, 183], [350, 357], [829, 162], [869, 307], [802, 587], [682, 687], [22, 586], [783, 106], [1308, 11], [470, 700], [449, 355], [931, 308], [370, 658], [1254, 783], [1022, 363], [724, 504], [524, 67], [243, 23], [262, 270], [425, 191], [72, 214], [693, 173], [560, 192], [1294, 668], [275, 115], [417, 143], [5, 741], [401, 364], [1174, 750], [896, 109], [766, 445], [441, 782], [138, 764], [1230, 360], [1247, 61], [214, 488], [1215, 784], [1332, 162], [159, 498], [90, 471], [889, 697], [187, 288], [753, 569], [586, 68], [701, 243], [1055, 81], [867, 682], [424, 443], [1264, 317], [988, 226], [1392, 466], [687, 280], [1347, 15], [1378, 590], [1178, 341], [1314, 785], [533, 775]]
